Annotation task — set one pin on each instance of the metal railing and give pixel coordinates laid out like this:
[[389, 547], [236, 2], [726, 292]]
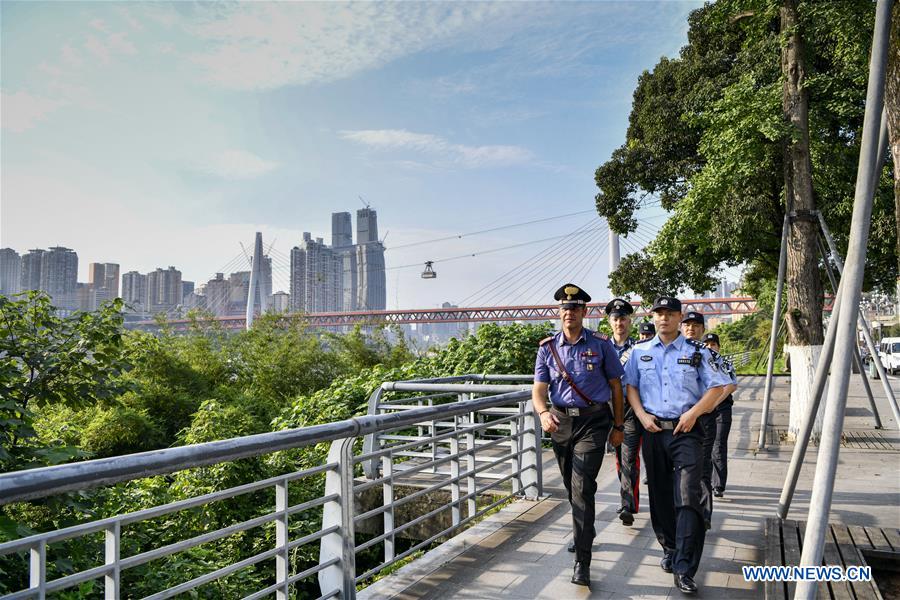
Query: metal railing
[[480, 452], [739, 359]]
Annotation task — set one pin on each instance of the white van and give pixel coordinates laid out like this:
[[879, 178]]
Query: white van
[[889, 353]]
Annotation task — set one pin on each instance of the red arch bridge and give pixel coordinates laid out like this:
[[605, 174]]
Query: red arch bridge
[[542, 312]]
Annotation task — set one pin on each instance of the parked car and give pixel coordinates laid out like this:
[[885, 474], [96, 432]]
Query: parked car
[[889, 354]]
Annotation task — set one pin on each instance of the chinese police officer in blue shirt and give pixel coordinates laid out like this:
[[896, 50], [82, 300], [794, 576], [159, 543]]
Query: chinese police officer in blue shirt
[[723, 422], [576, 373], [671, 381], [693, 325]]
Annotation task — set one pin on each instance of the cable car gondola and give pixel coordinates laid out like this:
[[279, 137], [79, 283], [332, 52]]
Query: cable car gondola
[[428, 273]]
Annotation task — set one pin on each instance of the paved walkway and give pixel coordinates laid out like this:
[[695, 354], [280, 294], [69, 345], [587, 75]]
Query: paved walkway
[[520, 552]]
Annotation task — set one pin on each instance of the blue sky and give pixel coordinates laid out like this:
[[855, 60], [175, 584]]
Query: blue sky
[[165, 134]]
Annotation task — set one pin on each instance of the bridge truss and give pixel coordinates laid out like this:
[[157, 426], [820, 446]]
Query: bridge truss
[[498, 314]]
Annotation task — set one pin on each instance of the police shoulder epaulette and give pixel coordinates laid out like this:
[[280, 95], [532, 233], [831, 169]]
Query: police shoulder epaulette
[[545, 340], [696, 343], [601, 336]]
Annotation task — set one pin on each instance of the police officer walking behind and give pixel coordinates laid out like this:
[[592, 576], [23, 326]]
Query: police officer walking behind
[[723, 423], [670, 382], [693, 325], [576, 373], [628, 462]]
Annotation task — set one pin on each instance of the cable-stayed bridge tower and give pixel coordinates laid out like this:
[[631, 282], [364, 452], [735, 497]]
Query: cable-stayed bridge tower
[[260, 288]]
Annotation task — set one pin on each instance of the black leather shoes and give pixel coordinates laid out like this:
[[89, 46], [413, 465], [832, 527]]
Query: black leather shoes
[[627, 517], [718, 492], [571, 546], [685, 583], [666, 563], [581, 575]]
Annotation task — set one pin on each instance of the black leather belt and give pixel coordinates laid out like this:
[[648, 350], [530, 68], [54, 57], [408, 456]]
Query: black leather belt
[[665, 423], [579, 411]]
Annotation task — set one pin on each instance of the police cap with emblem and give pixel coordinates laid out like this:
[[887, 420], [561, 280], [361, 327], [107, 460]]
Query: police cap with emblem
[[710, 337], [693, 316], [618, 307], [570, 296], [666, 303], [647, 328]]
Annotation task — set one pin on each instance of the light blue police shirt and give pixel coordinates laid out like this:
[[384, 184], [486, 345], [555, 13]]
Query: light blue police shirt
[[668, 385]]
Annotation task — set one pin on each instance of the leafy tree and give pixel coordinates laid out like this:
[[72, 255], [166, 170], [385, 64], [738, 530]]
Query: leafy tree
[[46, 359], [707, 138]]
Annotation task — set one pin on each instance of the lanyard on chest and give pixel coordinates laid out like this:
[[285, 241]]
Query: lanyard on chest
[[566, 377]]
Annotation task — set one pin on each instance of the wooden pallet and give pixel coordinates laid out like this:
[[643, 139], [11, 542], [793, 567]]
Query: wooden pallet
[[858, 439], [844, 545]]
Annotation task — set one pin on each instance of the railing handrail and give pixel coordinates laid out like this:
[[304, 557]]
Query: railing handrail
[[47, 481]]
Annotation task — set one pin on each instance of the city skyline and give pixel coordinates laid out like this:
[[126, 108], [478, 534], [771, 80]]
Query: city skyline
[[165, 133]]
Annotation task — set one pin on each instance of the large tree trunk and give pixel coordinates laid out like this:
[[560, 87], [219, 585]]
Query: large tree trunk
[[804, 287], [892, 105]]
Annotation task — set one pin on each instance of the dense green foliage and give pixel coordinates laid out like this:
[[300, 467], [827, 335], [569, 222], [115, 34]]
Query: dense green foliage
[[706, 137], [114, 391]]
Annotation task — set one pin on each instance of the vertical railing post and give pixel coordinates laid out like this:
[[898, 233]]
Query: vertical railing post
[[454, 478], [37, 579], [470, 478], [515, 460], [531, 452], [339, 544], [282, 559], [434, 445], [387, 471], [112, 535]]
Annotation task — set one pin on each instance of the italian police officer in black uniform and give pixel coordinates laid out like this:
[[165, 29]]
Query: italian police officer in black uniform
[[576, 373], [671, 381], [628, 461]]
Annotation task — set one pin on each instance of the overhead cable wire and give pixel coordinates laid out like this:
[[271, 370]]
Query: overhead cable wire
[[522, 277], [500, 228], [591, 262], [530, 261], [552, 277], [537, 268], [480, 253]]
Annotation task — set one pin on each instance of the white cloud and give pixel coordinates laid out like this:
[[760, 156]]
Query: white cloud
[[97, 48], [270, 45], [71, 56], [444, 152], [22, 111], [236, 164]]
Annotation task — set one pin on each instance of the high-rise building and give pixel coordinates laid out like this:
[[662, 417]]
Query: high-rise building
[[134, 291], [218, 295], [187, 288], [104, 281], [87, 297], [59, 276], [366, 226], [239, 286], [10, 272], [316, 284], [349, 278], [164, 289], [341, 230], [31, 269], [281, 302], [371, 279]]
